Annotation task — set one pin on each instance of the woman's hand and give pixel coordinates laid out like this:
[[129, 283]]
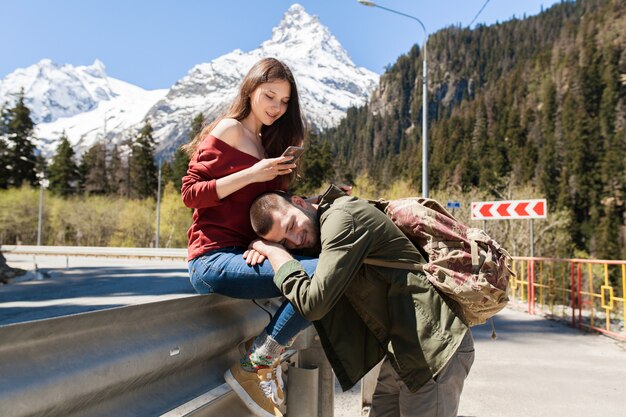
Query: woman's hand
[[269, 168], [275, 252], [253, 257], [265, 170]]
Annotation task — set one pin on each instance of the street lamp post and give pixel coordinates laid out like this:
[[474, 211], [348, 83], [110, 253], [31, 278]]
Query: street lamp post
[[158, 211], [424, 94], [43, 183]]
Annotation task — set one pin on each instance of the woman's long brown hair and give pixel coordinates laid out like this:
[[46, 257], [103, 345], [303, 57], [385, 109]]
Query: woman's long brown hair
[[286, 131]]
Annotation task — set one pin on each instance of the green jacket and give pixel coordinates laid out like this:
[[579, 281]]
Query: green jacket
[[364, 312]]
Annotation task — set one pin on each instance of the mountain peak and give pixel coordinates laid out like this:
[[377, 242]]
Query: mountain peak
[[99, 65], [46, 62], [295, 21], [297, 14], [302, 36], [53, 91]]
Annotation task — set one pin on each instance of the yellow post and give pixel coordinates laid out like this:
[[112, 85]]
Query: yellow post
[[624, 295], [606, 309], [591, 295]]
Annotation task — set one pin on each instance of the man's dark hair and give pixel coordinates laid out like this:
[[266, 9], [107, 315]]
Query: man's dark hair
[[262, 208]]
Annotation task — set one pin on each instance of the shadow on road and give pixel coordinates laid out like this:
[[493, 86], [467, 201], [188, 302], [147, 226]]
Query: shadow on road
[[87, 288]]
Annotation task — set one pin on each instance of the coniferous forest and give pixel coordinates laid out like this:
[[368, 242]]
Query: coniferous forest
[[538, 101], [529, 108]]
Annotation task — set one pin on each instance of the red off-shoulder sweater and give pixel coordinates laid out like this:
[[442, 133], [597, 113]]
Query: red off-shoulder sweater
[[219, 223]]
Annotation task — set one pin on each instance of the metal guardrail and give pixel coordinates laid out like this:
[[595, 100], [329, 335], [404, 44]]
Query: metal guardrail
[[96, 251], [165, 358], [590, 293], [140, 360]]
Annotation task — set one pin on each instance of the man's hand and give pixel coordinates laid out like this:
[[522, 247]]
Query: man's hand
[[346, 189], [275, 252]]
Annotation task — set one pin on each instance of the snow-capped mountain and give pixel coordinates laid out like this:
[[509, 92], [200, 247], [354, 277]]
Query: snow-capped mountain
[[81, 101], [328, 81], [114, 119], [86, 104], [52, 91]]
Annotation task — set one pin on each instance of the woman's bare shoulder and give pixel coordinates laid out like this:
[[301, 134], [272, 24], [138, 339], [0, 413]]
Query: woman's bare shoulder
[[229, 131]]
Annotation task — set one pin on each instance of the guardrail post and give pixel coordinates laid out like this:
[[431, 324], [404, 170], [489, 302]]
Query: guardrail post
[[312, 357], [532, 285], [573, 294], [303, 392], [580, 302], [528, 286]]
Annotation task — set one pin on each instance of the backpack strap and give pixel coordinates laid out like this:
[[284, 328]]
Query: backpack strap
[[396, 265], [475, 256]]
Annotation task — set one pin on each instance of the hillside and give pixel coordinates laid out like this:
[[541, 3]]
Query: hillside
[[538, 101]]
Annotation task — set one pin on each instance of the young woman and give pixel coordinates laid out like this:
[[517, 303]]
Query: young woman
[[233, 160]]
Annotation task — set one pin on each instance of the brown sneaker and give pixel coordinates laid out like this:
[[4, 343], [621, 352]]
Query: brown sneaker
[[245, 346], [260, 391]]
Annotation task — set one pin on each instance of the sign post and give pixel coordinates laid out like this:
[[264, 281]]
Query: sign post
[[453, 205], [515, 209]]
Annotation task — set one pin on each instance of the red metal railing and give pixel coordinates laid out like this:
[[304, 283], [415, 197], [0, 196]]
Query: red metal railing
[[589, 293]]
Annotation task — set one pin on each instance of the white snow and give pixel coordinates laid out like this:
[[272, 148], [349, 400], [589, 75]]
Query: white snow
[[87, 104]]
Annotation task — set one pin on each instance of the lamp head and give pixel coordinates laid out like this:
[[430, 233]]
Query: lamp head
[[367, 3]]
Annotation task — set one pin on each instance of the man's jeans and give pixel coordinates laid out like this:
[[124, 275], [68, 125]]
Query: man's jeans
[[439, 397], [225, 271]]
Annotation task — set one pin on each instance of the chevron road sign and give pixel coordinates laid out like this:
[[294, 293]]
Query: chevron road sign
[[509, 209]]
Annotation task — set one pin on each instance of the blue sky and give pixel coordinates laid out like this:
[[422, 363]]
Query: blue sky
[[153, 43]]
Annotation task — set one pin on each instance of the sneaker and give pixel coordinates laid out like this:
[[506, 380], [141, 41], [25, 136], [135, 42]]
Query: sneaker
[[245, 346], [261, 391]]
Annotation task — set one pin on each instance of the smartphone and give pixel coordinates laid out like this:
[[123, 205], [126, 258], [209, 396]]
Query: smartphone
[[294, 151]]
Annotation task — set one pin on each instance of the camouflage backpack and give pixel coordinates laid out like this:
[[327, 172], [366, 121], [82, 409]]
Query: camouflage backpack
[[463, 263]]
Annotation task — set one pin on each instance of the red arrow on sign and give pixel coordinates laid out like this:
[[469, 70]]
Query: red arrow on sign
[[484, 210], [521, 209], [511, 209], [503, 209]]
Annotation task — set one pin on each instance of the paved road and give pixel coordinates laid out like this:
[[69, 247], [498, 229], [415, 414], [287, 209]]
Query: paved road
[[536, 367], [88, 284], [543, 368]]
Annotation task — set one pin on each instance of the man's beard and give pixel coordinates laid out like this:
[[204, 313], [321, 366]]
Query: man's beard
[[315, 229]]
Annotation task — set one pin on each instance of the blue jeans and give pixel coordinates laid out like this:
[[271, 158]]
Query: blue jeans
[[225, 271]]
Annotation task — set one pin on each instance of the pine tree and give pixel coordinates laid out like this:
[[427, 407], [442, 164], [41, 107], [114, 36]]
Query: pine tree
[[63, 172], [178, 168], [607, 240], [4, 165], [117, 178], [21, 150], [93, 167], [4, 148], [196, 126], [143, 171], [175, 170], [166, 172], [549, 169], [316, 165]]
